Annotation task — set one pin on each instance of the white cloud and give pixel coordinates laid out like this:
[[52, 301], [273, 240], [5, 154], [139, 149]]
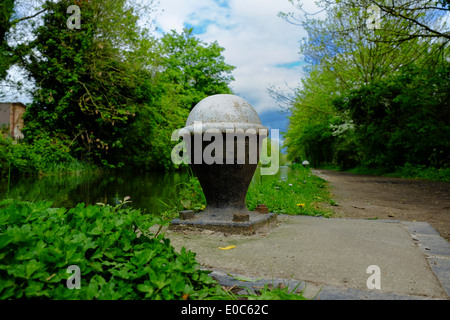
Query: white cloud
[[256, 41]]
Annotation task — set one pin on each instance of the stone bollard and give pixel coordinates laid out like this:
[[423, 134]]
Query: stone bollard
[[223, 136]]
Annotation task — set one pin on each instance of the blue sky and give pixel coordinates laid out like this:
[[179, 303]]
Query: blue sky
[[262, 46]]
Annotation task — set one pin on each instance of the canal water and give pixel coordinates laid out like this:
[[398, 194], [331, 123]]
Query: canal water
[[149, 191]]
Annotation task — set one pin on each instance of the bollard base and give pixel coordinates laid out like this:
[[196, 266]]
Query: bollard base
[[226, 222]]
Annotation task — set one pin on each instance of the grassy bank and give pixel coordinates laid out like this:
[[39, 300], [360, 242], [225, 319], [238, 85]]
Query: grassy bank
[[301, 193], [406, 171], [45, 157]]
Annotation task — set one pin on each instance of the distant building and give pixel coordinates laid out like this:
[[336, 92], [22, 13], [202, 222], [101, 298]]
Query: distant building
[[11, 122]]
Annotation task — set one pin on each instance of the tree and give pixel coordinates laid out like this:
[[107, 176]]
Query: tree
[[6, 11], [197, 68], [86, 77], [190, 70], [313, 119], [376, 85], [109, 90], [343, 44], [9, 55], [425, 15], [402, 119]]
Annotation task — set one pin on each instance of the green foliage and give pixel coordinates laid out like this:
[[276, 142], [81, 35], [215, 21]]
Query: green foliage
[[109, 90], [147, 138], [372, 98], [278, 293], [402, 119], [44, 156], [189, 196], [268, 292], [406, 171], [4, 157], [86, 82], [118, 257], [422, 172], [197, 69], [310, 135], [315, 143], [299, 194], [190, 71], [386, 124], [6, 58]]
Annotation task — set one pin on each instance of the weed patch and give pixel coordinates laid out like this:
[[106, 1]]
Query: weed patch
[[117, 257]]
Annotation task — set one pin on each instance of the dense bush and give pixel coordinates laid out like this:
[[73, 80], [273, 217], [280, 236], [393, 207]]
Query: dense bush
[[384, 94], [41, 156], [403, 119], [38, 243], [400, 120]]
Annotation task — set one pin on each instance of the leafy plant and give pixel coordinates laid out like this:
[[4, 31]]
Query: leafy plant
[[118, 257], [278, 293], [191, 195], [267, 292]]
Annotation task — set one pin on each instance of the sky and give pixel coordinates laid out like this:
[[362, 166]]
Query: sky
[[262, 46]]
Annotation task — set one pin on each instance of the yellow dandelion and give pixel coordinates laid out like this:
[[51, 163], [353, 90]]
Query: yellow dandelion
[[301, 205]]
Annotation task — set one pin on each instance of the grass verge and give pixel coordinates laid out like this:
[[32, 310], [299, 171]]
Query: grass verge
[[407, 171], [300, 193]]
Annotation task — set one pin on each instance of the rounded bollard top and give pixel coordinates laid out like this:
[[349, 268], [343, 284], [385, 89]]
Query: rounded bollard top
[[224, 111]]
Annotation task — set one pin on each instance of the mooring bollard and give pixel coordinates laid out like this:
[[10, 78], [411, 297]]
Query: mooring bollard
[[223, 136]]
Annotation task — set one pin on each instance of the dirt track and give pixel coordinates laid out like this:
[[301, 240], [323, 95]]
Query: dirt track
[[369, 197]]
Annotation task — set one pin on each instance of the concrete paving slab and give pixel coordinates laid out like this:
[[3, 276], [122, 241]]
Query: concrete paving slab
[[332, 255], [222, 221]]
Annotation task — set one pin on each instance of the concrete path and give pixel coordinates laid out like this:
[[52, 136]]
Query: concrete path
[[330, 257]]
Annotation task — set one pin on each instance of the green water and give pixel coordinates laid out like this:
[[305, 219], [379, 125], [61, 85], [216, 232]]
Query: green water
[[149, 191]]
